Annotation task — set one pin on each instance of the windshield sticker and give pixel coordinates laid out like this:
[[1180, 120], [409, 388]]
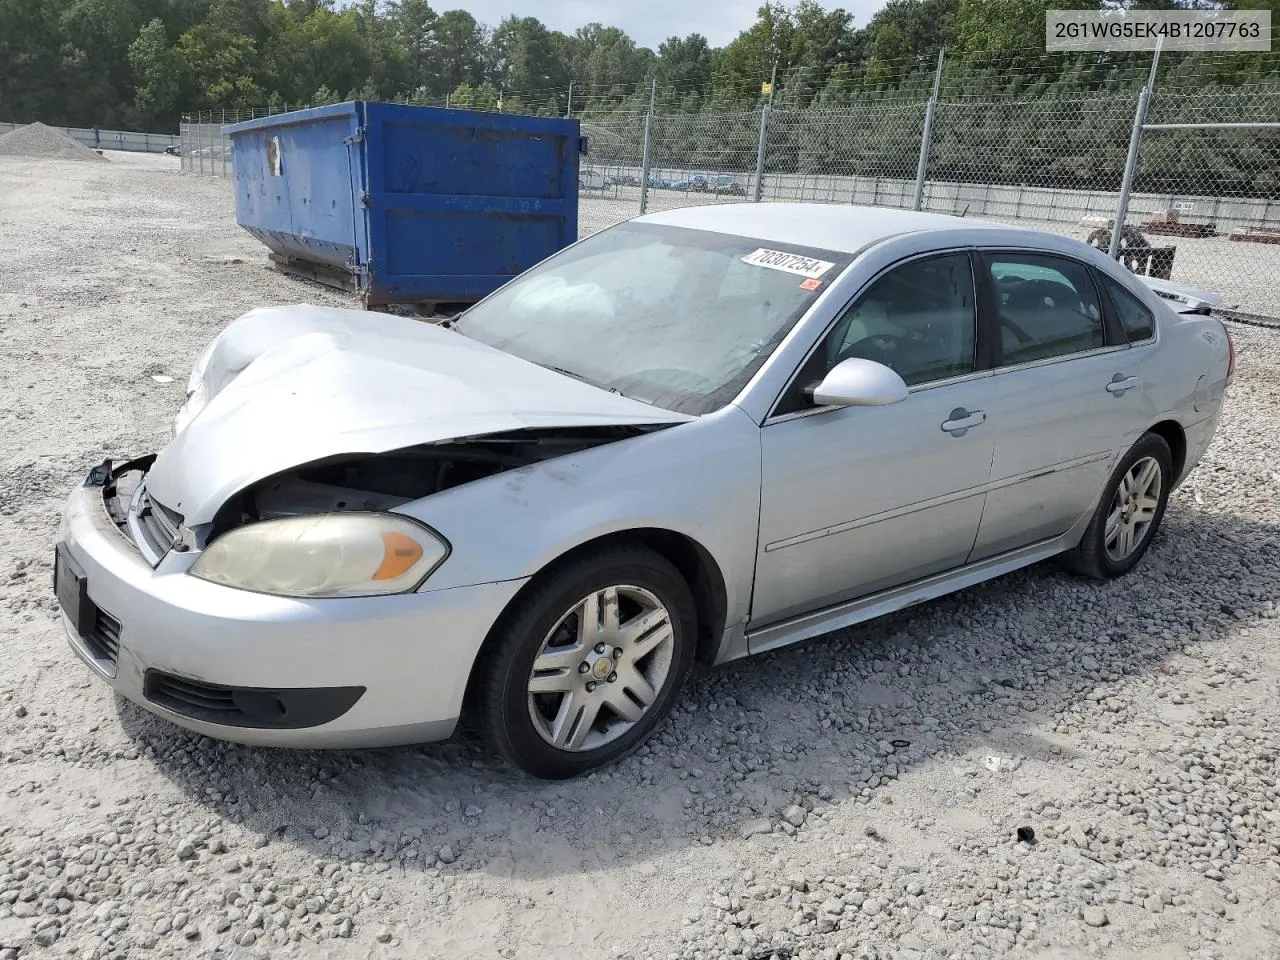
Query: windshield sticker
[[810, 284], [788, 263]]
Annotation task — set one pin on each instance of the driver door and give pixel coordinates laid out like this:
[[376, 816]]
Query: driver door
[[855, 500]]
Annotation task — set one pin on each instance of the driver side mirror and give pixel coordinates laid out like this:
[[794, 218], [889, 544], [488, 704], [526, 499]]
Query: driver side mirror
[[857, 382]]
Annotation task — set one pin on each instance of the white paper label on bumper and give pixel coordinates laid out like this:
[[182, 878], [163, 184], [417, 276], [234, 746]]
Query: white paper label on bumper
[[801, 266]]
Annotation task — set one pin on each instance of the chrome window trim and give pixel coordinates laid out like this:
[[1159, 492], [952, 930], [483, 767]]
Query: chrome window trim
[[1063, 358]]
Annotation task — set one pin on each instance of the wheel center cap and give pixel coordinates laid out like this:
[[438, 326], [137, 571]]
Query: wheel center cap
[[602, 668]]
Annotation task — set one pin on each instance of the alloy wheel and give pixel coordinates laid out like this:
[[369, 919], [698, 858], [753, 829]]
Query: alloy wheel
[[601, 668], [1133, 509]]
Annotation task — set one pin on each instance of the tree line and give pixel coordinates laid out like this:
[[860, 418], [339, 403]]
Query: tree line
[[140, 64], [848, 97]]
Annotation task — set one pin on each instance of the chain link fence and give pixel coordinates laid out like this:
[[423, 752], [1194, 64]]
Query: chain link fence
[[1198, 202], [205, 149], [609, 177], [1206, 193]]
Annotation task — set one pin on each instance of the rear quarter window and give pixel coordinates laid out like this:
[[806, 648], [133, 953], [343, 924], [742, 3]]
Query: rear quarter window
[[1138, 322]]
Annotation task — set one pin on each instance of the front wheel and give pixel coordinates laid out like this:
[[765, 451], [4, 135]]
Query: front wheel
[[1129, 512], [584, 665]]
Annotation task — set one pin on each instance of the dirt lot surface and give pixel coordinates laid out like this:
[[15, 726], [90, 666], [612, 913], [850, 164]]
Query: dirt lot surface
[[855, 797]]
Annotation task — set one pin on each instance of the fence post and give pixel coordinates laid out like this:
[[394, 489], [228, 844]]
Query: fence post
[[764, 134], [1131, 160], [760, 151], [926, 138], [647, 158]]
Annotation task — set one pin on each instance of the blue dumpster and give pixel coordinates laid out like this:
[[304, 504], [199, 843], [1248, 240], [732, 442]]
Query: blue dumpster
[[407, 205]]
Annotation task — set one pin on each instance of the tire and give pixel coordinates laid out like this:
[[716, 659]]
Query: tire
[[535, 730], [1105, 557]]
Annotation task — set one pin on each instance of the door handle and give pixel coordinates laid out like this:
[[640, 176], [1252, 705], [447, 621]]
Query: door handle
[[1120, 383], [960, 420]]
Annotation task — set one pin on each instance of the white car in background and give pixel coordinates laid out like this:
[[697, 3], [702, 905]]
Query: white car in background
[[697, 435], [591, 179]]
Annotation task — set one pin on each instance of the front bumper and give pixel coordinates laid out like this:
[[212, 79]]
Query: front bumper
[[411, 653]]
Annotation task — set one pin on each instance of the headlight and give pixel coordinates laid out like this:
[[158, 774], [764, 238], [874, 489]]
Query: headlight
[[329, 555]]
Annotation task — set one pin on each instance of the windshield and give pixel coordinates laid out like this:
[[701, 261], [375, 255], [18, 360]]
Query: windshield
[[678, 318]]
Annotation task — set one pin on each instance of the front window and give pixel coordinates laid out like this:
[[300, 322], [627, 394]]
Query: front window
[[918, 319], [675, 317]]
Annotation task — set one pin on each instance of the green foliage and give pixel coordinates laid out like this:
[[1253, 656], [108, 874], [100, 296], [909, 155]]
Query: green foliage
[[461, 49], [468, 97], [157, 75], [849, 97]]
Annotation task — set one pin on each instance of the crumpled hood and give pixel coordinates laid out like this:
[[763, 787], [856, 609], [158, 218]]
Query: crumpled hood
[[284, 386]]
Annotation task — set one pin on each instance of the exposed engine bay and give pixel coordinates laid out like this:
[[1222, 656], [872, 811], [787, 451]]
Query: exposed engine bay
[[384, 481]]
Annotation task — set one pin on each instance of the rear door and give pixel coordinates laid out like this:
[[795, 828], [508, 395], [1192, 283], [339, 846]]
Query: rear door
[[1069, 396]]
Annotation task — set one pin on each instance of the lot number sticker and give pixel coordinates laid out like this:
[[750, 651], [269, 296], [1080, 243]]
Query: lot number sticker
[[788, 263]]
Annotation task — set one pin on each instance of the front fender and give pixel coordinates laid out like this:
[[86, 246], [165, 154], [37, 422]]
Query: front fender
[[699, 479]]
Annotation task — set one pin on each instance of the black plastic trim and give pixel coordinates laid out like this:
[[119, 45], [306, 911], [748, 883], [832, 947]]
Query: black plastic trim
[[280, 708]]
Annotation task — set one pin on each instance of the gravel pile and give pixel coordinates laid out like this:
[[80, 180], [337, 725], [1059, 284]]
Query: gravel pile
[[37, 140], [1038, 766]]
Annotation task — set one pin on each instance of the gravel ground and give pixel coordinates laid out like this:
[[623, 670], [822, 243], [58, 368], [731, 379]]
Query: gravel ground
[[859, 796]]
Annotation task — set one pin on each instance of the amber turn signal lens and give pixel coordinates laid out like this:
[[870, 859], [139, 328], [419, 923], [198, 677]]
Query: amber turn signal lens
[[399, 554]]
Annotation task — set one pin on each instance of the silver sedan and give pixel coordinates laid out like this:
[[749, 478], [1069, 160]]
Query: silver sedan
[[695, 436]]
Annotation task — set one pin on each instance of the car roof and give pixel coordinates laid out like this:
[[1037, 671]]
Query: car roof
[[841, 227]]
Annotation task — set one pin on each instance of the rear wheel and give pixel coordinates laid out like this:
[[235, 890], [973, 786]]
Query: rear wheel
[[587, 662], [1128, 514]]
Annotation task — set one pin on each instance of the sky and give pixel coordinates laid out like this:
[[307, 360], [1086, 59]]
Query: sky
[[649, 22]]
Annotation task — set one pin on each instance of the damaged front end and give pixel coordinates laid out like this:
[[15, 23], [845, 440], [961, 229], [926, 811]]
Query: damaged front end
[[348, 483], [151, 527], [385, 481], [306, 428]]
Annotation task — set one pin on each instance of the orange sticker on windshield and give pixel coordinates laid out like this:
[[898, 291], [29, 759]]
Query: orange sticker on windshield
[[810, 284]]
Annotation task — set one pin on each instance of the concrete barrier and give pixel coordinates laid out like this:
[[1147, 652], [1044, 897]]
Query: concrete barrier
[[98, 139]]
